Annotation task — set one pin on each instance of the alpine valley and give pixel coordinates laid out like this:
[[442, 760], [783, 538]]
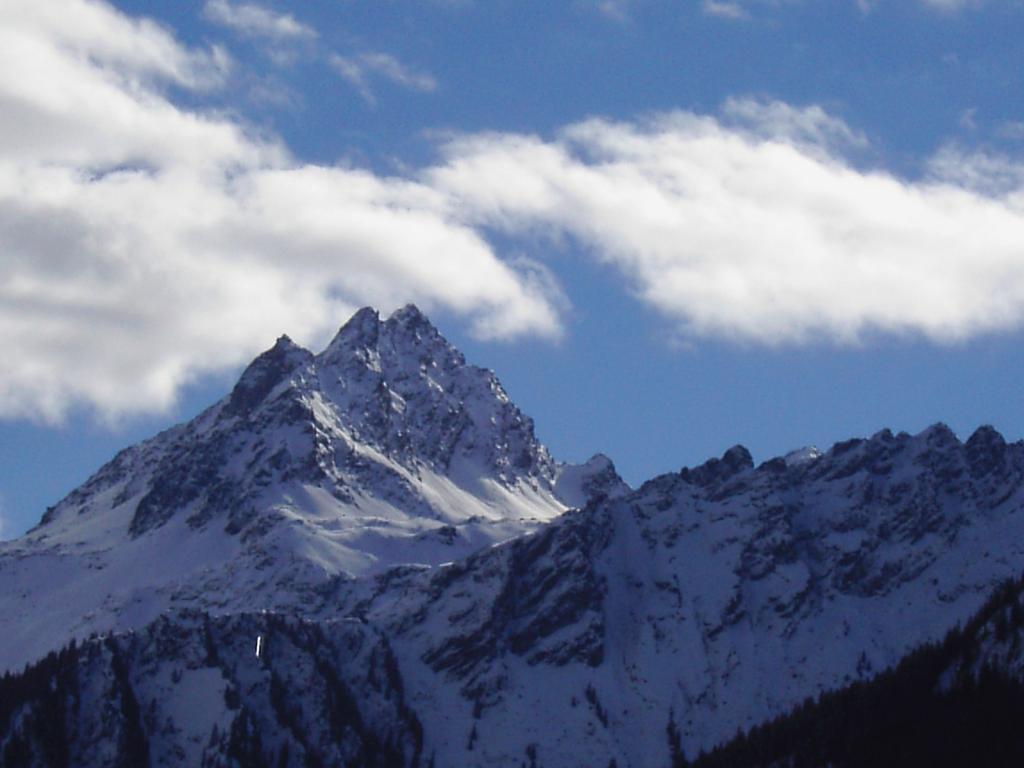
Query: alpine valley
[[431, 588]]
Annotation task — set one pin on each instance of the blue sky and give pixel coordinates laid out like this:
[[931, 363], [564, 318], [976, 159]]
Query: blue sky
[[669, 227]]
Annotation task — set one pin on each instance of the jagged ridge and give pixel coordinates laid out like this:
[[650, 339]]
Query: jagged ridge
[[638, 629]]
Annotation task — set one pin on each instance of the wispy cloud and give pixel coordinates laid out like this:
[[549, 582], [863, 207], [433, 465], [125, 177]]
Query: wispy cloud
[[951, 6], [616, 10], [744, 9], [363, 69], [256, 21], [1011, 129], [984, 172], [725, 9], [968, 119], [811, 128]]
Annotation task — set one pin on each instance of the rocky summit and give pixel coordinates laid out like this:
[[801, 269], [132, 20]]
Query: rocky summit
[[384, 449]]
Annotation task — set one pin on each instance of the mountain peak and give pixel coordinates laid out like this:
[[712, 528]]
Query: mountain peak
[[409, 333], [387, 425], [940, 434], [359, 332], [802, 456], [264, 373], [985, 435], [733, 461], [986, 450], [596, 478], [410, 314], [363, 317], [399, 387], [407, 336]]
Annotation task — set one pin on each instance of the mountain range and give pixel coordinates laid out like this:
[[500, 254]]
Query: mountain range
[[430, 587]]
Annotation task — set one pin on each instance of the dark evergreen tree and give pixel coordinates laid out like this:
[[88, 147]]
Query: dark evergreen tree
[[912, 715]]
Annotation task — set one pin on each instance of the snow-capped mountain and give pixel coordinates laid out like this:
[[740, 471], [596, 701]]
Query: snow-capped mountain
[[633, 628], [386, 448], [705, 601]]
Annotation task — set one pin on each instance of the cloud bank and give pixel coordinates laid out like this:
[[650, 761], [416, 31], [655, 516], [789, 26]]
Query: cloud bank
[[144, 243], [766, 236]]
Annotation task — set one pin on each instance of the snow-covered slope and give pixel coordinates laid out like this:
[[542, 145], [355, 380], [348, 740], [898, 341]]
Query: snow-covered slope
[[956, 702], [656, 621], [710, 599], [633, 626], [384, 449], [192, 692]]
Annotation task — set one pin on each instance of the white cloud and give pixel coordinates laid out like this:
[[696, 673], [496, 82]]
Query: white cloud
[[144, 244], [951, 6], [986, 173], [361, 69], [968, 119], [725, 9], [616, 10], [810, 128], [256, 21], [767, 236], [742, 9]]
